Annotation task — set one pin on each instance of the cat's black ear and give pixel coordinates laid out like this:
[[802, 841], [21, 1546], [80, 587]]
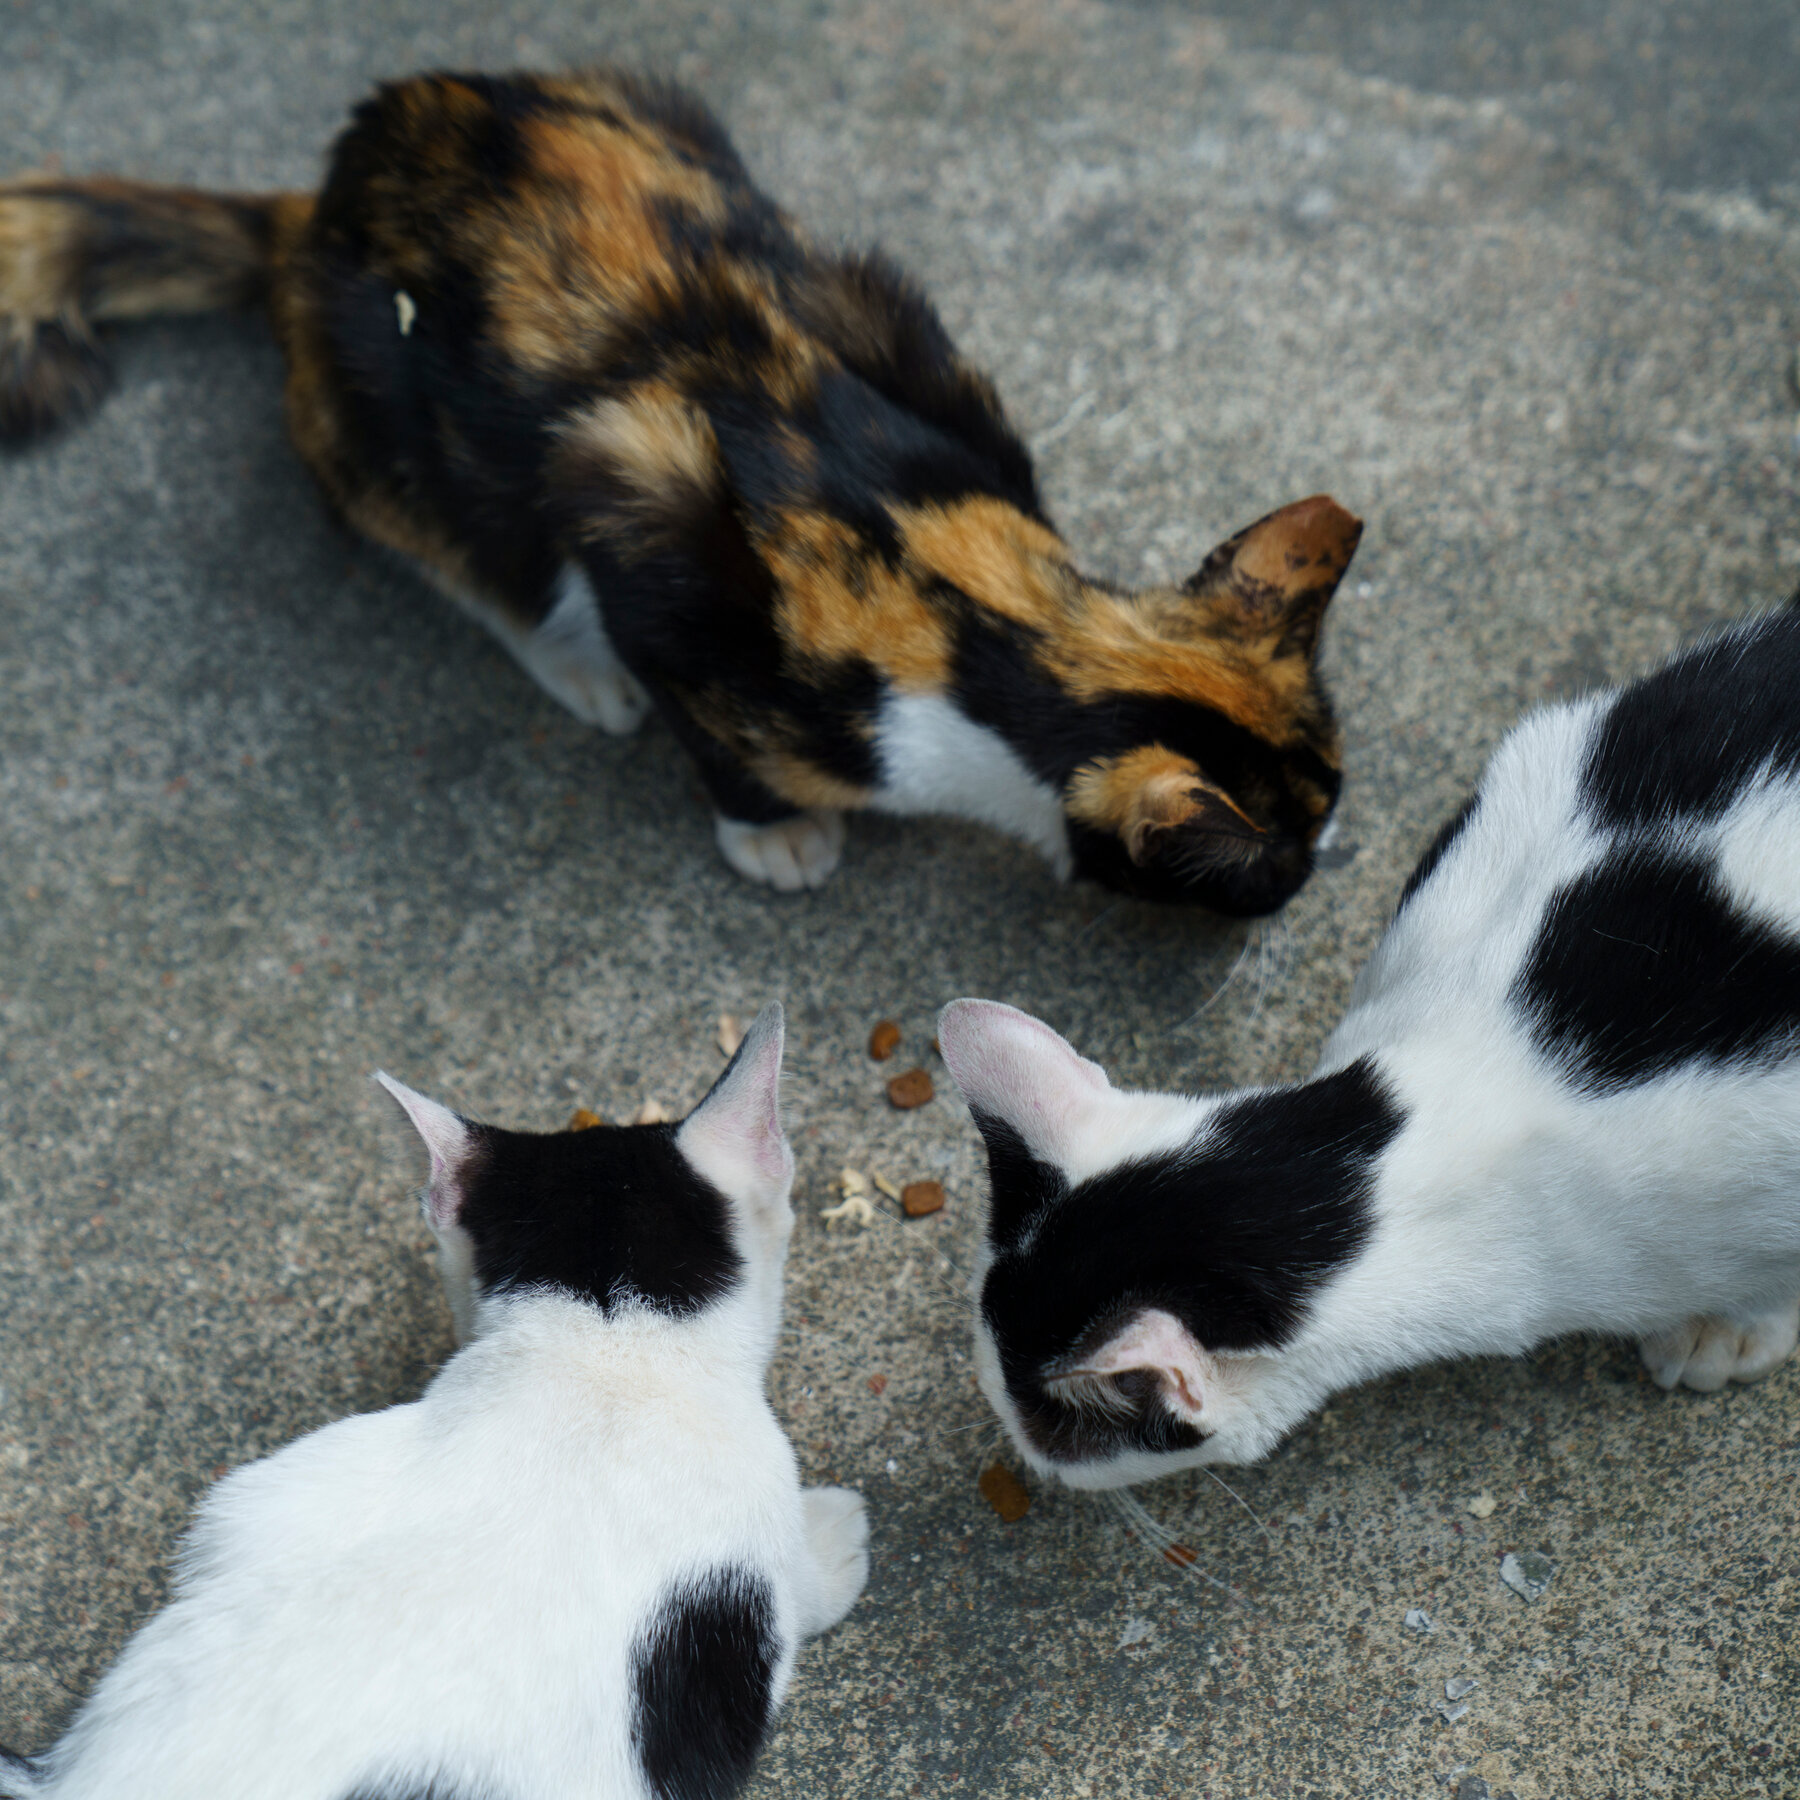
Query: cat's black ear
[[1018, 1076], [734, 1135], [452, 1143], [1155, 1343], [1271, 583]]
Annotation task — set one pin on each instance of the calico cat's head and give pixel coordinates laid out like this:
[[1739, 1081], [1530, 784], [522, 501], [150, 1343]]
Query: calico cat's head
[[1223, 765], [1152, 1261], [671, 1217]]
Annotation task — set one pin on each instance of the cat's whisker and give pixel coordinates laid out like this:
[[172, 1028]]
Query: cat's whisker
[[1245, 1504], [1219, 993], [1159, 1537]]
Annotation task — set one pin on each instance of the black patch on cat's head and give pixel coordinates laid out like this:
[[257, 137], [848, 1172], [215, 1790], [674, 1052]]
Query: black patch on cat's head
[[1642, 964], [614, 1213], [1231, 1235], [1439, 847], [1686, 738], [1208, 863], [702, 1679]]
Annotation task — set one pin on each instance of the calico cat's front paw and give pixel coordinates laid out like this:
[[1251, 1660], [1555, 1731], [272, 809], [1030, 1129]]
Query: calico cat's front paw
[[789, 855], [1704, 1354], [837, 1537]]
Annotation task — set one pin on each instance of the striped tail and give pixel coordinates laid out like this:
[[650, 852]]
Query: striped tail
[[76, 254]]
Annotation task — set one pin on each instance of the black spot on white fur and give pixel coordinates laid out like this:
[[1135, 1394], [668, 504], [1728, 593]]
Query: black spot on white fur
[[431, 1790], [611, 1214], [701, 1676], [1231, 1234], [1685, 739], [1642, 965]]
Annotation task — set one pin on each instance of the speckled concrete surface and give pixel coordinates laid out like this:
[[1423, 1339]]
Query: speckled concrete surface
[[1520, 285]]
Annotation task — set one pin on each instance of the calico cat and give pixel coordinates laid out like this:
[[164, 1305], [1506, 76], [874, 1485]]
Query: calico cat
[[580, 1565], [1566, 1097], [544, 337]]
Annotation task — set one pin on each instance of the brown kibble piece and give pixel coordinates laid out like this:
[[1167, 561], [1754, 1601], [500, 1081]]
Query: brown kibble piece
[[919, 1198], [1004, 1492], [1181, 1556], [583, 1120], [911, 1089], [878, 1385], [884, 1040]]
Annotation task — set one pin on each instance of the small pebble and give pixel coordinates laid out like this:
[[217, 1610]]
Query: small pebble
[[583, 1120], [1527, 1573], [909, 1090], [920, 1198], [1458, 1685], [1452, 1713], [1482, 1506], [1419, 1621], [1004, 1492], [884, 1040], [1137, 1631]]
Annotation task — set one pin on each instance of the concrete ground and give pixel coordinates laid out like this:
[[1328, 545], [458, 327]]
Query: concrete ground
[[1521, 285]]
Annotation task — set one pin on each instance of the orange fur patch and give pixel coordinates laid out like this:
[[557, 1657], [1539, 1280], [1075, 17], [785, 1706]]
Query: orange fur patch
[[658, 447]]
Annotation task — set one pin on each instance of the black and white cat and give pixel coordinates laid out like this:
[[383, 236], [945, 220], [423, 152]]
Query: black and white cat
[[1566, 1097], [579, 1565]]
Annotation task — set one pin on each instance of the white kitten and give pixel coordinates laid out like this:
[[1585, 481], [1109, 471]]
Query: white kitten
[[1566, 1097], [579, 1566]]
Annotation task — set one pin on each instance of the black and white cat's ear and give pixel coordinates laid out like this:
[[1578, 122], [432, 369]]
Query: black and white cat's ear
[[1156, 1343], [1014, 1071], [451, 1142], [734, 1135], [1271, 583]]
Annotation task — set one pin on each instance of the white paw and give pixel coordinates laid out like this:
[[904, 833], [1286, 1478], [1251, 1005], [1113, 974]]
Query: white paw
[[790, 855], [1706, 1353], [573, 659], [837, 1535]]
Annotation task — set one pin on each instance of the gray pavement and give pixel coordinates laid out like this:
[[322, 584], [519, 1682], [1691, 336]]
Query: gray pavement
[[1521, 285]]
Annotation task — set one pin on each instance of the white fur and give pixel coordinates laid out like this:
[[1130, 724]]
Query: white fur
[[1510, 1207], [452, 1589], [935, 759]]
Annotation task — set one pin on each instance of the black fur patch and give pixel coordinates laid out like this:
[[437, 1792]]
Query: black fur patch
[[1231, 1235], [1686, 738], [612, 1213], [1438, 848], [1642, 965], [701, 1675]]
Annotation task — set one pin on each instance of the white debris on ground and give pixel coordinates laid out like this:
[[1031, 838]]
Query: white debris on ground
[[1482, 1506], [1459, 1685], [1453, 1710], [731, 1034], [1418, 1620], [652, 1112], [1137, 1631], [1527, 1573]]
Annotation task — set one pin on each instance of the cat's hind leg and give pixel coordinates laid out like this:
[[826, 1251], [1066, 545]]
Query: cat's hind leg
[[572, 659], [1704, 1354], [837, 1544], [791, 854]]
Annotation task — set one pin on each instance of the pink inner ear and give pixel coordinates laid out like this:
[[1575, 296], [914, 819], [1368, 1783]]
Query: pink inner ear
[[447, 1140], [1158, 1341], [1015, 1068], [743, 1111]]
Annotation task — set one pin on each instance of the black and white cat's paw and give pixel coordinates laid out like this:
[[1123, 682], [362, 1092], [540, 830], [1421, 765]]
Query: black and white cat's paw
[[837, 1541], [789, 855], [1704, 1354]]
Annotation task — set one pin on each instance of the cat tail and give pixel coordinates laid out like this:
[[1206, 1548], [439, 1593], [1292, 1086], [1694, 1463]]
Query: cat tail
[[76, 254], [18, 1777]]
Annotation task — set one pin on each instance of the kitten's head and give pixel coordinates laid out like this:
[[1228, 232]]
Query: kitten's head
[[1151, 1259], [673, 1217], [1223, 763]]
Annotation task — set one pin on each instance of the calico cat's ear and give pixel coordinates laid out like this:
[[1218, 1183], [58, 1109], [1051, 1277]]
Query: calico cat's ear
[[1272, 582], [1153, 1343], [735, 1132], [1017, 1074], [451, 1141]]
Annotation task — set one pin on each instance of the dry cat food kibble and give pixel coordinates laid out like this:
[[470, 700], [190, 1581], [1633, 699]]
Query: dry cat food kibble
[[652, 1112], [1004, 1492], [583, 1120], [884, 1040], [731, 1034], [918, 1198], [909, 1090]]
